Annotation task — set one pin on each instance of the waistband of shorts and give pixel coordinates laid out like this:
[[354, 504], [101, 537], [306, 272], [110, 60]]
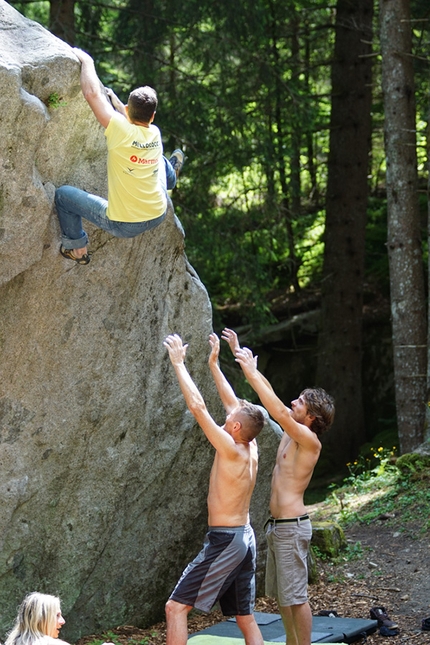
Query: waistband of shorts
[[289, 520], [233, 529]]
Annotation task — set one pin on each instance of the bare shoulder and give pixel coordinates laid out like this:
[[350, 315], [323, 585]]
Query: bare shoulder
[[242, 451], [238, 455], [310, 439], [302, 436]]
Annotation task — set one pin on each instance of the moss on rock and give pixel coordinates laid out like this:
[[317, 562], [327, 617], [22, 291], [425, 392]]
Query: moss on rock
[[328, 538]]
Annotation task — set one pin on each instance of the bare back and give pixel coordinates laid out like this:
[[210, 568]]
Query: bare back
[[292, 473], [231, 485]]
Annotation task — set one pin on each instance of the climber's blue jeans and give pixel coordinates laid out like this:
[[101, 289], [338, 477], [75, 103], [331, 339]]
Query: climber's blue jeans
[[73, 204]]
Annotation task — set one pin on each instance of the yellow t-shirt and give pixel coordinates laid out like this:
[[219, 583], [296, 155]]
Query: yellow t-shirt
[[135, 193]]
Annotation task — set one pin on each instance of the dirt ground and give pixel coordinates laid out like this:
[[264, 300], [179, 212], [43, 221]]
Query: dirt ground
[[393, 571]]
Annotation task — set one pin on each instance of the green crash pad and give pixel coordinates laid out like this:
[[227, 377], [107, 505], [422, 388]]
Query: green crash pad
[[210, 639]]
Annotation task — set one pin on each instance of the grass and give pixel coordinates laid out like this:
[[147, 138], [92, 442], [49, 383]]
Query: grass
[[382, 485]]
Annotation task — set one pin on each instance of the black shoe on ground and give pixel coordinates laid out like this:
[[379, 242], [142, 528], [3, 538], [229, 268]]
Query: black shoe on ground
[[177, 160], [386, 631], [379, 614]]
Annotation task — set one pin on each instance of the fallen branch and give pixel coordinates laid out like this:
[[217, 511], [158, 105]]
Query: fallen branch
[[364, 595]]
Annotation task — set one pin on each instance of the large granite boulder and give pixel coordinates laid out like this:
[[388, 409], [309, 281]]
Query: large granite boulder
[[103, 471]]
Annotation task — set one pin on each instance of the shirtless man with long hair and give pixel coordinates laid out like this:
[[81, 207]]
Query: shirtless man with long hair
[[288, 529]]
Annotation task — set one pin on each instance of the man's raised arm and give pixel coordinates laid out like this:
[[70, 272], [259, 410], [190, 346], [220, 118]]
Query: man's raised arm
[[273, 404], [225, 391], [192, 396], [116, 102], [230, 336], [220, 439], [93, 90]]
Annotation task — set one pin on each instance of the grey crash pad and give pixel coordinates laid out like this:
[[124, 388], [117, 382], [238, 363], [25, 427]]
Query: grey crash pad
[[324, 629]]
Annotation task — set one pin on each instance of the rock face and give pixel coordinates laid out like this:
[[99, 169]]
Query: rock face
[[103, 472]]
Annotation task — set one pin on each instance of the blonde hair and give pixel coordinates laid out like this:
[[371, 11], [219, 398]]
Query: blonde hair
[[36, 618]]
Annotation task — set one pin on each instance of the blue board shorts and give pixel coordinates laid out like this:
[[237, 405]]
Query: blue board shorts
[[223, 571]]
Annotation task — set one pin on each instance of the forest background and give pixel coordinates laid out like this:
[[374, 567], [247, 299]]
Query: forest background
[[305, 195]]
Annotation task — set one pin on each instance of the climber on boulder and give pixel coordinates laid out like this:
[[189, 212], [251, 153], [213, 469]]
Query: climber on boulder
[[138, 173]]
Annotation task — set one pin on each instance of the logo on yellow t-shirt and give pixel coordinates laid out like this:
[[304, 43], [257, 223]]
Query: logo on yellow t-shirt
[[142, 160]]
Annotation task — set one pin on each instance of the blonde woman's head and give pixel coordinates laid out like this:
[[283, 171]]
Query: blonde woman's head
[[38, 615]]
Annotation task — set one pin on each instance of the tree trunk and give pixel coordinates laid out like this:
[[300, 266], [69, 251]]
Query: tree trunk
[[427, 421], [312, 169], [62, 20], [282, 146], [340, 341], [404, 238], [296, 135]]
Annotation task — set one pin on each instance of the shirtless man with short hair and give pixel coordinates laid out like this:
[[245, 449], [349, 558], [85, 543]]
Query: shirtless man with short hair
[[224, 570], [288, 529]]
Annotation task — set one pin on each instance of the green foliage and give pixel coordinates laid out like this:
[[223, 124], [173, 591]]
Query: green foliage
[[318, 553], [108, 636], [244, 88], [349, 552], [414, 466], [338, 578], [243, 108], [353, 552], [111, 637], [55, 101], [379, 463], [37, 11], [394, 489]]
